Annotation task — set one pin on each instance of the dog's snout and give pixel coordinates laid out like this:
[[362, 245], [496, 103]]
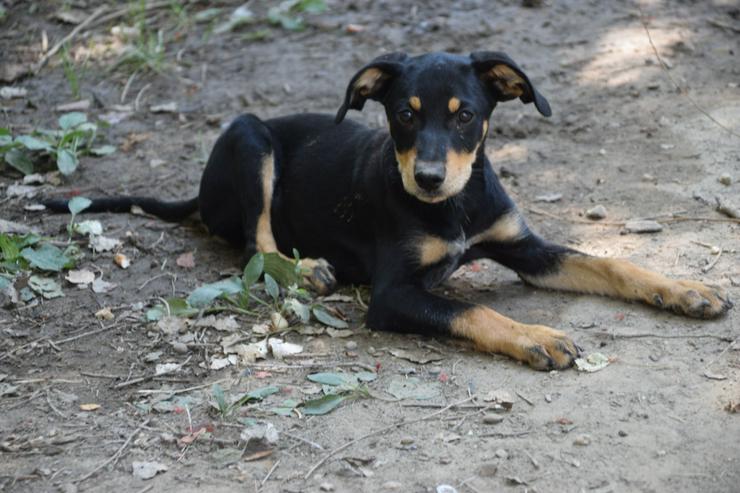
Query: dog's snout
[[429, 176]]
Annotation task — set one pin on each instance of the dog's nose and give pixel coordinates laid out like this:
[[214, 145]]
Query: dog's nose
[[430, 178]]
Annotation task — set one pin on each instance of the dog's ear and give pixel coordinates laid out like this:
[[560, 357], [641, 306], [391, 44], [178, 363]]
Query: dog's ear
[[506, 80], [371, 82]]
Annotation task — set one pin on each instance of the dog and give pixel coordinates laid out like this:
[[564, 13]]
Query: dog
[[402, 208]]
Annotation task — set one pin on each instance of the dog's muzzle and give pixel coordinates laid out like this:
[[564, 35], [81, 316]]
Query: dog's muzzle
[[429, 175]]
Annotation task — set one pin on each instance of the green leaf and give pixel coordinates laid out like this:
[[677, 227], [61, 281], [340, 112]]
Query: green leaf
[[5, 282], [33, 144], [312, 6], [281, 269], [9, 247], [253, 270], [205, 294], [271, 286], [207, 15], [330, 320], [176, 307], [220, 398], [256, 395], [322, 405], [286, 407], [71, 120], [20, 160], [78, 204], [333, 379], [66, 161], [48, 288], [103, 150], [47, 257]]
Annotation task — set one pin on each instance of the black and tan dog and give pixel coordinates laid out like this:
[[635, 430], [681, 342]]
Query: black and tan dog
[[402, 210]]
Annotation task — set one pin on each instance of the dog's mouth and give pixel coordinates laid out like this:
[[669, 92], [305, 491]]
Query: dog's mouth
[[431, 197]]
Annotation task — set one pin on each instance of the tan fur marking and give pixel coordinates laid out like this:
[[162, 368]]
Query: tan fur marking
[[432, 249], [493, 332], [415, 103], [623, 279], [453, 104], [368, 81], [507, 80], [485, 129], [406, 162], [507, 228], [265, 239]]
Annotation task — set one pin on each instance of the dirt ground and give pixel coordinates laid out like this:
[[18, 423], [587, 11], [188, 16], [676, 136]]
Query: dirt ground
[[622, 135]]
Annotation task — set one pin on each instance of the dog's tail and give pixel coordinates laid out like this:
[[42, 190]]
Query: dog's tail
[[173, 211]]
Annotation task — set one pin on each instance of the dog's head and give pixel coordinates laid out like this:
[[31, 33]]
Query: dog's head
[[438, 106]]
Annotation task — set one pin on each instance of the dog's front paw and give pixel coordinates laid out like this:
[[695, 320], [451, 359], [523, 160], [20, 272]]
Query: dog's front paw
[[318, 274], [694, 299], [544, 348]]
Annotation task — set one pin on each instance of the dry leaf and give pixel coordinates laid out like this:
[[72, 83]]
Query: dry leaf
[[186, 260], [80, 277], [101, 286], [280, 349], [121, 261], [104, 314]]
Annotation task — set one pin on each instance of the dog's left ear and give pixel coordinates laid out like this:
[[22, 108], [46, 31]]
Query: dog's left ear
[[506, 80], [371, 82]]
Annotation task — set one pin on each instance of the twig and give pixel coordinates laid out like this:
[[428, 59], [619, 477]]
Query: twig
[[711, 264], [138, 96], [180, 391], [269, 473], [115, 456], [678, 87], [300, 439], [722, 25], [438, 406], [727, 348], [397, 424], [86, 334], [128, 86], [525, 399], [145, 378], [514, 434], [669, 336], [67, 38], [53, 408]]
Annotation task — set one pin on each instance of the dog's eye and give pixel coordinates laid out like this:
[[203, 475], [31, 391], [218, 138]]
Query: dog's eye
[[405, 116], [465, 116]]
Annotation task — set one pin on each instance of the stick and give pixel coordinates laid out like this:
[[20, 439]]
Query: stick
[[269, 473], [711, 264], [67, 38], [678, 87], [179, 391], [116, 455], [397, 424], [85, 334], [149, 377]]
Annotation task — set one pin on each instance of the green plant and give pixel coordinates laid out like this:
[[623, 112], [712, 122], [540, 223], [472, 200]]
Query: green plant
[[70, 73], [288, 14], [64, 146]]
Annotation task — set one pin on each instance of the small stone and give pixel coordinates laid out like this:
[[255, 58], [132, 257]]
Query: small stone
[[596, 212], [179, 347], [602, 152], [664, 121], [487, 470], [446, 488], [648, 177], [548, 398], [661, 453], [492, 419], [326, 487], [167, 438], [582, 440], [350, 346], [104, 314], [407, 441], [622, 433], [642, 226], [391, 485], [434, 370], [667, 147], [502, 454], [725, 179]]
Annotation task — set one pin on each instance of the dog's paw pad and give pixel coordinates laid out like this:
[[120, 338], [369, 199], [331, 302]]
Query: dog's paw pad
[[697, 300], [549, 349], [319, 275]]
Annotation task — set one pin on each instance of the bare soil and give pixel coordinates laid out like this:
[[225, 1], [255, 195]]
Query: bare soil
[[622, 135]]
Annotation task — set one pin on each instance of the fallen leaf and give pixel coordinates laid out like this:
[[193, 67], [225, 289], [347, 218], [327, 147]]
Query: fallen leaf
[[105, 244], [171, 325], [104, 314], [89, 407], [88, 227], [121, 261], [164, 368], [325, 318], [134, 138], [101, 286], [80, 277], [591, 363], [219, 363], [147, 470], [186, 260], [263, 432], [47, 257], [48, 288], [257, 455], [500, 396], [414, 357], [322, 405], [280, 349]]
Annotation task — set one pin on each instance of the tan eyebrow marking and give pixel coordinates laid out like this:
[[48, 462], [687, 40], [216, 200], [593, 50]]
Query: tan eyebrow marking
[[415, 103], [453, 104]]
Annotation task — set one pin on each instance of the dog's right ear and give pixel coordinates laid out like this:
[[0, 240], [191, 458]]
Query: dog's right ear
[[371, 82]]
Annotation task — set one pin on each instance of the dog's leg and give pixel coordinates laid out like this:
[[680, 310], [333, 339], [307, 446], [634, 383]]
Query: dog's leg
[[408, 308], [543, 264], [317, 273]]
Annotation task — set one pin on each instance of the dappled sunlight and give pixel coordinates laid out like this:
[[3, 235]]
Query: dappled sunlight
[[620, 55]]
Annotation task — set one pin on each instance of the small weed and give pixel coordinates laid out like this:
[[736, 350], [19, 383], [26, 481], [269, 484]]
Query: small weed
[[70, 73], [288, 14], [73, 139]]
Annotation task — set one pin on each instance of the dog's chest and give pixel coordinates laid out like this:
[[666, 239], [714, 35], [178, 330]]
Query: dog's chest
[[347, 207], [437, 257]]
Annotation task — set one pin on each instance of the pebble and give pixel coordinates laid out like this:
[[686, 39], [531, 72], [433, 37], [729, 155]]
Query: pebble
[[725, 179], [391, 485], [596, 212], [179, 347], [350, 346], [642, 226], [622, 433], [487, 470], [446, 488], [582, 440], [434, 370], [326, 487], [492, 419], [548, 398], [502, 454], [407, 441]]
